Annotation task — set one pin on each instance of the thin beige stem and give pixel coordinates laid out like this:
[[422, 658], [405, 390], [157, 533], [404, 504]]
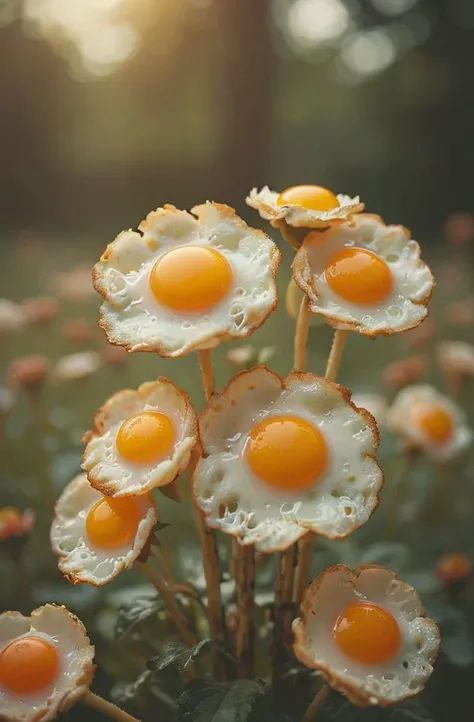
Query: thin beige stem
[[107, 708], [207, 372], [301, 336], [284, 607], [157, 552], [243, 567], [305, 550], [400, 488], [318, 702], [335, 355], [170, 602]]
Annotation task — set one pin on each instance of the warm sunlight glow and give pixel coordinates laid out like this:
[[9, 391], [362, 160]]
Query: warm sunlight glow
[[313, 22], [94, 27]]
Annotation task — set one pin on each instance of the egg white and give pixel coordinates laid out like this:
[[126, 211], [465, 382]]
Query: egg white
[[61, 628], [266, 203], [240, 504], [400, 421], [406, 305], [78, 558], [107, 471], [402, 676], [132, 316]]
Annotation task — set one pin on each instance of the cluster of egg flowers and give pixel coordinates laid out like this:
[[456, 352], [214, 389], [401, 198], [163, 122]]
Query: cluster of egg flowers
[[278, 458]]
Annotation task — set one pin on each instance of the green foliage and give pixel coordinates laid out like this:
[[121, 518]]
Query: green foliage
[[176, 654], [208, 701], [130, 616]]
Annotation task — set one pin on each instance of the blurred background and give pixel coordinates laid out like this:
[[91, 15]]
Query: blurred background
[[110, 108]]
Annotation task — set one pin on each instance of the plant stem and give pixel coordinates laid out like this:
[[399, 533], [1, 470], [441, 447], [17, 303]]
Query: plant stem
[[209, 551], [335, 355], [243, 567], [301, 336], [207, 372], [284, 607], [170, 602], [318, 702], [410, 459], [305, 549], [107, 708], [157, 552]]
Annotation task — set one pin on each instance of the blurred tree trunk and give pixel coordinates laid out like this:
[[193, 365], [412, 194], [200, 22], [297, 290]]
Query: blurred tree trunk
[[244, 95]]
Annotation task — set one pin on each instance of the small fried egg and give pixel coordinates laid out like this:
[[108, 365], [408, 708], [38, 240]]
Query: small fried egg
[[283, 457], [367, 634], [96, 536], [307, 206], [430, 422], [186, 282], [456, 358], [141, 439], [46, 664], [365, 276]]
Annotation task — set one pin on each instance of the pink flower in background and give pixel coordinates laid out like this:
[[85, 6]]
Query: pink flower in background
[[404, 372], [15, 523], [460, 313], [419, 337], [459, 229], [28, 371], [40, 310]]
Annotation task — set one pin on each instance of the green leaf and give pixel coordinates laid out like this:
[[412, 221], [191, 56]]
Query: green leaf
[[159, 526], [213, 702], [130, 615], [146, 696], [176, 654]]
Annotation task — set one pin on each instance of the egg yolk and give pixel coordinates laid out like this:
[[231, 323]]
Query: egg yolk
[[191, 278], [313, 198], [435, 422], [367, 633], [28, 665], [145, 437], [113, 523], [287, 453], [359, 276]]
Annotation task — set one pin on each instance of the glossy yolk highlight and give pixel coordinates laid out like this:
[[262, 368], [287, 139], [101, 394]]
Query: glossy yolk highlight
[[435, 422], [191, 278], [287, 453], [359, 276], [145, 437], [367, 633], [313, 198], [28, 665], [113, 523]]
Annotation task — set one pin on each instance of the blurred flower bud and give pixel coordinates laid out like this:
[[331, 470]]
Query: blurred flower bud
[[404, 372], [114, 355], [12, 317], [77, 330], [77, 366], [419, 337], [460, 313], [75, 285], [15, 528], [459, 229], [41, 310], [453, 569], [28, 372], [241, 356]]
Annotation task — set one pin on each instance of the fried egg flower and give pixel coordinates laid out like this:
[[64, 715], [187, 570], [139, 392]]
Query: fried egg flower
[[186, 281], [367, 633], [284, 457], [94, 536], [375, 404], [46, 664], [430, 422], [365, 277], [141, 439], [304, 206], [456, 358]]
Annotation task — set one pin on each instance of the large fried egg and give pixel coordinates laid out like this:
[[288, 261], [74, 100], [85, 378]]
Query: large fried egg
[[46, 664], [286, 456], [96, 536], [366, 632], [429, 421], [186, 281], [141, 439], [365, 276], [307, 206]]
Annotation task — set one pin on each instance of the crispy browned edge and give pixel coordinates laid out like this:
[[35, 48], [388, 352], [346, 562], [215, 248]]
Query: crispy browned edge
[[303, 375], [354, 693], [72, 578], [101, 416], [276, 217], [304, 279], [83, 681], [224, 335]]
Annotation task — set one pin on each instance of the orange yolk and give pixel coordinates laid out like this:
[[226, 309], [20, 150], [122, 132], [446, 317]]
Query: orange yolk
[[436, 423], [113, 523], [191, 278], [28, 665], [367, 633], [313, 198], [359, 276], [287, 452], [146, 437]]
